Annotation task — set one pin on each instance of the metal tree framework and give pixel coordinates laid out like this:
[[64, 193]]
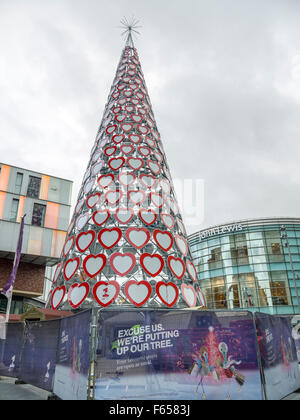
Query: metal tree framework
[[126, 243]]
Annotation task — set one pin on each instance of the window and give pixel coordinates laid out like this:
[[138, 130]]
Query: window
[[34, 185], [38, 215], [14, 210], [19, 181]]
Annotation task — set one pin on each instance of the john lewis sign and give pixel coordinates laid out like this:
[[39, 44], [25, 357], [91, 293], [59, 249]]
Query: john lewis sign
[[220, 230]]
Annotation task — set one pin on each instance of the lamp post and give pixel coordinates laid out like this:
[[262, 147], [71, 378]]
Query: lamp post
[[285, 237]]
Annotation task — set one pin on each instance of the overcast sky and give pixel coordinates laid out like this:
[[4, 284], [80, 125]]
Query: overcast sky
[[223, 78]]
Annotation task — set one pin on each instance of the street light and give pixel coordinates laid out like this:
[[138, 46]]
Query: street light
[[284, 236]]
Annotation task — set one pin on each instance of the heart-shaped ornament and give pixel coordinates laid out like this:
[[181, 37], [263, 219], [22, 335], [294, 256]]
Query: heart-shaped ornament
[[111, 129], [165, 185], [112, 197], [106, 293], [57, 272], [148, 180], [104, 181], [116, 163], [122, 263], [118, 138], [150, 142], [163, 239], [148, 216], [135, 101], [109, 151], [57, 296], [128, 93], [177, 266], [94, 264], [127, 149], [127, 127], [144, 151], [68, 245], [154, 166], [126, 178], [124, 215], [152, 264], [167, 292], [135, 163], [136, 196], [100, 217], [192, 270], [157, 200], [88, 185], [167, 220], [78, 293], [97, 168], [117, 109], [82, 220], [84, 240], [138, 237], [108, 238], [189, 294], [137, 292], [129, 108], [79, 206], [143, 129], [71, 267], [122, 101], [93, 200], [182, 244], [135, 138], [136, 118]]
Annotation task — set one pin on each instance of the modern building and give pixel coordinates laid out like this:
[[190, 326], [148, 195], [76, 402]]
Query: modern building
[[46, 202], [250, 264]]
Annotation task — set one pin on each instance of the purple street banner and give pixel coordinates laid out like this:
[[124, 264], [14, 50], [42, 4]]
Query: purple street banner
[[177, 355], [10, 350], [38, 357], [295, 320], [278, 355], [73, 357]]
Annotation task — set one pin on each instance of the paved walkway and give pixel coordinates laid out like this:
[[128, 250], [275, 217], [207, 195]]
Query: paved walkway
[[10, 391]]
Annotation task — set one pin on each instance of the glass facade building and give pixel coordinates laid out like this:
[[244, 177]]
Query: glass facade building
[[250, 264]]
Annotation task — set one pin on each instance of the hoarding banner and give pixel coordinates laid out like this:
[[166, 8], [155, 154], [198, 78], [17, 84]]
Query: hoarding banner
[[177, 355], [39, 353], [73, 357], [10, 349], [278, 355]]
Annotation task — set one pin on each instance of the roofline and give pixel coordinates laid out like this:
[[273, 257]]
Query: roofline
[[252, 222], [36, 172]]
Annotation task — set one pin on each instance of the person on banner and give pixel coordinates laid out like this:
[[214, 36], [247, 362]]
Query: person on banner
[[202, 368]]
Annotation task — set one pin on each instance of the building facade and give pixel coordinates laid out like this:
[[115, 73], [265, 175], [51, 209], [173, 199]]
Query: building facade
[[250, 264], [46, 202]]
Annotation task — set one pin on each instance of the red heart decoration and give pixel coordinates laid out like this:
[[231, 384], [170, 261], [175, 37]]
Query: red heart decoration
[[135, 101], [143, 129], [154, 166], [111, 129], [177, 266], [115, 95], [192, 270], [182, 245], [78, 293], [68, 245], [93, 200], [135, 138], [163, 239], [157, 199], [142, 111], [189, 294], [126, 178], [167, 220], [106, 293], [57, 296], [118, 138], [57, 272], [94, 264], [137, 292], [120, 118], [109, 151], [116, 163], [121, 86], [79, 206], [148, 180], [165, 186], [71, 267], [148, 216], [152, 264], [140, 95], [127, 127], [144, 151], [100, 217], [128, 93], [150, 142], [138, 237], [84, 240], [127, 149], [117, 109], [122, 101], [129, 108], [108, 238], [167, 292], [112, 197], [158, 156], [135, 163], [122, 263], [104, 181], [155, 135], [124, 215], [201, 296], [132, 66], [136, 118], [136, 196]]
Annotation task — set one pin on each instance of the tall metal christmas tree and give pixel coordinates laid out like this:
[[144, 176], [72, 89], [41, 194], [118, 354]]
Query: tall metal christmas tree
[[126, 243]]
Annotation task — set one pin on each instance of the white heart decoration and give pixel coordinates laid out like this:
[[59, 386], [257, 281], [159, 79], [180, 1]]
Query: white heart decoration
[[57, 296], [177, 267], [122, 264], [113, 197], [116, 163], [136, 197], [138, 237], [135, 163], [68, 245], [70, 268], [157, 199], [106, 293], [189, 295], [101, 216], [97, 168], [182, 244], [88, 185], [138, 293], [79, 206], [167, 292], [192, 270], [167, 220], [109, 238], [92, 200], [154, 166], [84, 240], [124, 215], [93, 264], [78, 293], [147, 216], [126, 178], [82, 220]]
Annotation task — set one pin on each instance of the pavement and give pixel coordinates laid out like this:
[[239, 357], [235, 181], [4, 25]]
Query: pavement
[[22, 392]]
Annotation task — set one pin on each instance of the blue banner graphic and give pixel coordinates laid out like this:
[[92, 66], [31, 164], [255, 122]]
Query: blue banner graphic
[[10, 350]]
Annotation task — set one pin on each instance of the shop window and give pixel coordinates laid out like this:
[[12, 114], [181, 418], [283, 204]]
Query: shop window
[[276, 248], [215, 260], [279, 293], [239, 255], [34, 186], [38, 215]]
